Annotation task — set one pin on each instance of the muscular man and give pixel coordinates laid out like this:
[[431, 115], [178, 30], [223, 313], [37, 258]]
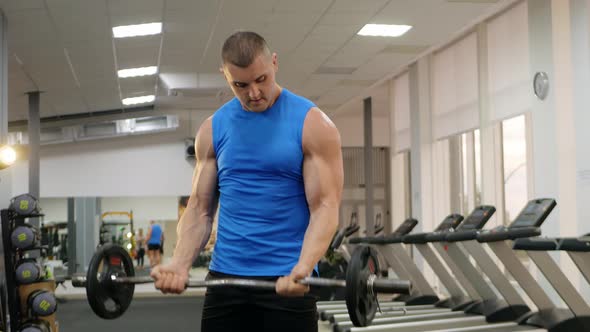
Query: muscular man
[[273, 161]]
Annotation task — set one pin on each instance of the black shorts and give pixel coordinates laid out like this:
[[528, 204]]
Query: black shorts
[[153, 246], [247, 309]]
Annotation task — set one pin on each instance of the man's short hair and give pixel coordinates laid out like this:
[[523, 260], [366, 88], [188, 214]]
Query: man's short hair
[[242, 48]]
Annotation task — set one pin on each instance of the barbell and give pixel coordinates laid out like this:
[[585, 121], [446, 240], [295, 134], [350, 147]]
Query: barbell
[[110, 283]]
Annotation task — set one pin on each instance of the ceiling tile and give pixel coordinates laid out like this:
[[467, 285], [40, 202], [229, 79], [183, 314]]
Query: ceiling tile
[[135, 85], [66, 101], [10, 6], [381, 65], [371, 6], [80, 21], [132, 6], [92, 60], [301, 5], [31, 27]]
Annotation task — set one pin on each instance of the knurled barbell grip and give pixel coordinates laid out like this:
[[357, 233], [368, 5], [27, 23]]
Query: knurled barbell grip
[[380, 285], [80, 281]]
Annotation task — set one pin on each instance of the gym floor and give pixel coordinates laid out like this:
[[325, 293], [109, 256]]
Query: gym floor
[[164, 313], [178, 313]]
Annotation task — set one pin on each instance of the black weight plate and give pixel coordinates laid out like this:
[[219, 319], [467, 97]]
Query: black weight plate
[[361, 304], [109, 300]]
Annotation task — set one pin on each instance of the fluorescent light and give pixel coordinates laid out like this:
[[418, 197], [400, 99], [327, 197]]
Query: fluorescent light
[[137, 30], [384, 30], [141, 71], [139, 100], [7, 156]]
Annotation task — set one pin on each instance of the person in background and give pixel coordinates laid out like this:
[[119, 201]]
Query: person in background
[[140, 242], [155, 236]]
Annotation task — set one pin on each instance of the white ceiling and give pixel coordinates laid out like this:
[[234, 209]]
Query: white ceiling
[[65, 48]]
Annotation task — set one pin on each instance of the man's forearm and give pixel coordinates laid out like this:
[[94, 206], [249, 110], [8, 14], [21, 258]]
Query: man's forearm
[[322, 226], [193, 233]]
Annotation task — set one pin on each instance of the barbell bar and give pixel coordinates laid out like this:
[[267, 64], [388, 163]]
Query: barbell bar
[[378, 285], [110, 283]]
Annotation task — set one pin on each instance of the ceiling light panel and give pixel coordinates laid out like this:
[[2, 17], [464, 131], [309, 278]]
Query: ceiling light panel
[[137, 30], [139, 100], [135, 72], [384, 30]]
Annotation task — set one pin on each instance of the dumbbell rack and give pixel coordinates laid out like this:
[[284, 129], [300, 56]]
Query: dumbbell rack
[[10, 220]]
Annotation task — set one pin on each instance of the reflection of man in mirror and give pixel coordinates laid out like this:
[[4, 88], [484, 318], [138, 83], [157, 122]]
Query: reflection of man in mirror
[[155, 236]]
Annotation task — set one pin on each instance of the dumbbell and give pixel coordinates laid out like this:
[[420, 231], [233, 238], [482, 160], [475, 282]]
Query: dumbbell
[[42, 302], [35, 326], [25, 237], [29, 271]]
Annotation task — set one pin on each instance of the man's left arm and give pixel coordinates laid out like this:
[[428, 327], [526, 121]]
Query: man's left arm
[[323, 176]]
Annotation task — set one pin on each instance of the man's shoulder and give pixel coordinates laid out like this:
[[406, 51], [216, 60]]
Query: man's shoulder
[[298, 98], [227, 107]]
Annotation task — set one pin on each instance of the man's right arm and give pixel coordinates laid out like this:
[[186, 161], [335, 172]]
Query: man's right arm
[[194, 226]]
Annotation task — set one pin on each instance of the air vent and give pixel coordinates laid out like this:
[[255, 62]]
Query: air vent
[[335, 70], [100, 130]]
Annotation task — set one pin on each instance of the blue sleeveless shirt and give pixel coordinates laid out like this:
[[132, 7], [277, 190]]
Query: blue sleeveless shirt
[[156, 236], [263, 211]]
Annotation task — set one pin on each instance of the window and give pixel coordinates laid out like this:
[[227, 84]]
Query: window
[[515, 166], [469, 185]]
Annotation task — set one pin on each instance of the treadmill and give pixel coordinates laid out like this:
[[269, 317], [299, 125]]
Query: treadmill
[[399, 260], [397, 257], [328, 309], [537, 250], [548, 317], [578, 249], [491, 308]]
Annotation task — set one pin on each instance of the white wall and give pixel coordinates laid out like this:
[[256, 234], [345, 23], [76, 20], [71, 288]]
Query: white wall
[[145, 166], [351, 127]]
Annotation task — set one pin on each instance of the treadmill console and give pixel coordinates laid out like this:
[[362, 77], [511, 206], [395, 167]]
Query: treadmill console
[[478, 218], [406, 227], [468, 229], [447, 225], [534, 213], [450, 222], [526, 225]]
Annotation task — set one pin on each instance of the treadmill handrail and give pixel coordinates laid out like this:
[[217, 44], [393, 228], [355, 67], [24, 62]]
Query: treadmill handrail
[[419, 238], [574, 244], [536, 244], [388, 239], [503, 233], [459, 235]]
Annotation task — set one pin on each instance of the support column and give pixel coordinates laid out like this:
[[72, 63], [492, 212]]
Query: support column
[[87, 213], [34, 131], [421, 152], [5, 175], [369, 187], [71, 244]]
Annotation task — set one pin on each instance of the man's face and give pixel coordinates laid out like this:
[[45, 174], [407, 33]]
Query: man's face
[[255, 85]]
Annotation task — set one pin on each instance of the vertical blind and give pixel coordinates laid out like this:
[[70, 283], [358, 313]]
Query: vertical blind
[[455, 102], [508, 63], [401, 112]]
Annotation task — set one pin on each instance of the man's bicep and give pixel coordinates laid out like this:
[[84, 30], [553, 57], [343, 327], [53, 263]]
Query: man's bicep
[[204, 186], [323, 170]]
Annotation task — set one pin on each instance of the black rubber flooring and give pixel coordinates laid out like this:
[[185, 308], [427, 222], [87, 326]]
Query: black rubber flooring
[[162, 314]]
